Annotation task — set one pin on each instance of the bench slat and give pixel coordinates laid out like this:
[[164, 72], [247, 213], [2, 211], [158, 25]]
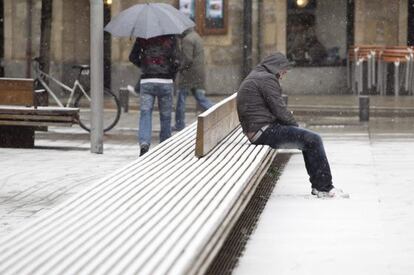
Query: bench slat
[[36, 117], [36, 123], [9, 109]]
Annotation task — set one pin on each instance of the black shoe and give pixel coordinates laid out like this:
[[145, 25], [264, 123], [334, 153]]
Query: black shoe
[[175, 129], [144, 149]]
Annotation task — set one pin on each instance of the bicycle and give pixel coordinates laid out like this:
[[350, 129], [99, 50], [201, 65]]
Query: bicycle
[[79, 97]]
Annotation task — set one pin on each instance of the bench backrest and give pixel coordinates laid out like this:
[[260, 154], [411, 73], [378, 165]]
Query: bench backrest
[[215, 124], [16, 91]]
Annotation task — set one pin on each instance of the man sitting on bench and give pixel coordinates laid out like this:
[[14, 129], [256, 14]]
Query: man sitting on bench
[[266, 121]]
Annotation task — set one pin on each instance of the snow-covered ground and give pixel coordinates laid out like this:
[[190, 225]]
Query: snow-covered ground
[[33, 181], [370, 233]]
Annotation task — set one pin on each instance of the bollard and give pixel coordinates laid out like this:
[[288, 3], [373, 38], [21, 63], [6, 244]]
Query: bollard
[[373, 73], [369, 71], [384, 76], [397, 78], [363, 108], [348, 73], [379, 77], [360, 84], [407, 74], [285, 99], [124, 98], [411, 76]]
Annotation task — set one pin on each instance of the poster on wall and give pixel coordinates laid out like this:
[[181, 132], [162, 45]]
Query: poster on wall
[[214, 8], [188, 8], [214, 18]]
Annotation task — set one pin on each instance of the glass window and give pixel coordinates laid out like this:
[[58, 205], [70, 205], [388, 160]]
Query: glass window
[[317, 32], [210, 16]]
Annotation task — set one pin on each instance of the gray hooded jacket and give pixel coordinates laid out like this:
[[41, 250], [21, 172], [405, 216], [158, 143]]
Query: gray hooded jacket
[[259, 99]]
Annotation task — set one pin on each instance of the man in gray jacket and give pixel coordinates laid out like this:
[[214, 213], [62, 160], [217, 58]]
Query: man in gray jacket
[[266, 121], [191, 77]]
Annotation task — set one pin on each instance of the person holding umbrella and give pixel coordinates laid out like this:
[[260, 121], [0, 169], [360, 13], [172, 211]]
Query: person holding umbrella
[[155, 52], [157, 58]]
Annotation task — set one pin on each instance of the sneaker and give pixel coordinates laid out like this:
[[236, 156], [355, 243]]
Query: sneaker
[[144, 149], [333, 193]]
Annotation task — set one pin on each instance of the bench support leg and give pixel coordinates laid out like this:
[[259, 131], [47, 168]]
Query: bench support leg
[[16, 137]]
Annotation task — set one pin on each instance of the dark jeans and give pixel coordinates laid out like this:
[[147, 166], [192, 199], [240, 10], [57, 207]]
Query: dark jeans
[[291, 137]]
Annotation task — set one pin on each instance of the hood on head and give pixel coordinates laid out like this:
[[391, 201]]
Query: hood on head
[[275, 63]]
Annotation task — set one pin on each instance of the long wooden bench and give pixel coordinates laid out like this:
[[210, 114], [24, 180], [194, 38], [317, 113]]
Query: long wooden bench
[[20, 114], [168, 212]]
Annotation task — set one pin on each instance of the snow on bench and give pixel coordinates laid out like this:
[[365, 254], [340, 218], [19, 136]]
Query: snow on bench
[[168, 212]]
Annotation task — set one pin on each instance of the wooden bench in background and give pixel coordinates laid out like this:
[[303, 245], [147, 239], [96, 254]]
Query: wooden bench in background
[[20, 114], [168, 212]]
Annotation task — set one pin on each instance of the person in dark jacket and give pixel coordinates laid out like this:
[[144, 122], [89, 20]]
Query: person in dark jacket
[[265, 120], [158, 60], [191, 76]]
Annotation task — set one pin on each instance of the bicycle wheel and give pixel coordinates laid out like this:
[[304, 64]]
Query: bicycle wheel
[[111, 112]]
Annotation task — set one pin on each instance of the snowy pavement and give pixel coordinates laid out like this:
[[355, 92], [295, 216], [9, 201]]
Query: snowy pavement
[[370, 233]]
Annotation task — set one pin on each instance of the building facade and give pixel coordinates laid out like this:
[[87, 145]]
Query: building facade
[[315, 33]]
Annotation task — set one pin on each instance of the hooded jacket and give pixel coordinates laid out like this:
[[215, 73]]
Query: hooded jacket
[[259, 99]]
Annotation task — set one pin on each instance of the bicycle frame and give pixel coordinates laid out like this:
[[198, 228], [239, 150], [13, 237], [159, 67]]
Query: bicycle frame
[[40, 75]]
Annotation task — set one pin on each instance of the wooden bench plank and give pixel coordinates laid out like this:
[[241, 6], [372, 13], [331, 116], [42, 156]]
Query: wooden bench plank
[[48, 110], [16, 91], [36, 123], [28, 117], [214, 124]]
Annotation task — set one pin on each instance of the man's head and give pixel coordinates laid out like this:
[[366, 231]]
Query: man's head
[[276, 64], [281, 74]]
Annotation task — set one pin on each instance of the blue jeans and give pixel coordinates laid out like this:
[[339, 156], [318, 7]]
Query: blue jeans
[[311, 145], [149, 91], [201, 99]]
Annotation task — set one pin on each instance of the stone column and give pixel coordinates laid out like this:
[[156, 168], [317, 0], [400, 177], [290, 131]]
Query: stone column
[[380, 22]]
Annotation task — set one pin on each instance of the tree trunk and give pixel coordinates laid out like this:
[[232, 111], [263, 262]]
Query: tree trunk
[[45, 35], [45, 38]]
